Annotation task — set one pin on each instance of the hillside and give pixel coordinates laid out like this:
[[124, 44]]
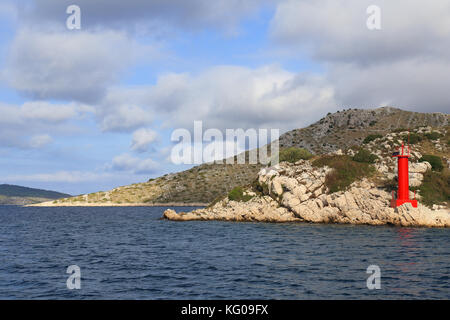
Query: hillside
[[346, 128], [18, 195], [206, 182], [351, 186]]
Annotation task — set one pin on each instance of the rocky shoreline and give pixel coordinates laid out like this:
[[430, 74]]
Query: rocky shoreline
[[297, 193]]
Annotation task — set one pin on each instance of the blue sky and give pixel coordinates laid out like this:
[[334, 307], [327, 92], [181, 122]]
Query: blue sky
[[91, 109]]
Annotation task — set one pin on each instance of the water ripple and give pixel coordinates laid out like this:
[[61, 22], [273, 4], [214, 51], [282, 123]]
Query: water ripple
[[129, 253]]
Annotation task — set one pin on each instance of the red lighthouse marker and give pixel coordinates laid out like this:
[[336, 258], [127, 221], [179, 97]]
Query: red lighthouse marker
[[403, 179]]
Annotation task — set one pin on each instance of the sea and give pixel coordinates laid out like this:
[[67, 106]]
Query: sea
[[131, 253]]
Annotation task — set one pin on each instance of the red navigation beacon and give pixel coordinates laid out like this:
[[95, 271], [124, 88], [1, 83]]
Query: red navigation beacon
[[403, 179]]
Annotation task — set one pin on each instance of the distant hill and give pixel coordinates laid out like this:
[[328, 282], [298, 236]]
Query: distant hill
[[17, 195], [206, 182]]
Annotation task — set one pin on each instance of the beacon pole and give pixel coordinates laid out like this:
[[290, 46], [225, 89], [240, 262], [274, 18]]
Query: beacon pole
[[403, 178]]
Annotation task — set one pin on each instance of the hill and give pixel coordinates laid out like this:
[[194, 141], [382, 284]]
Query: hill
[[346, 128], [206, 182], [352, 186], [18, 195]]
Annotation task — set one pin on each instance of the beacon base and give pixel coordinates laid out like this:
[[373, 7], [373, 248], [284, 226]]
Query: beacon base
[[398, 202]]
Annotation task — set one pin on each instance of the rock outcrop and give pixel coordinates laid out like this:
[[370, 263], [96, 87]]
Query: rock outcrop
[[262, 209], [297, 192]]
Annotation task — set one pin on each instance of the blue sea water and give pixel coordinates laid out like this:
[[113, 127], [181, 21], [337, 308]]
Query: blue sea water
[[130, 253]]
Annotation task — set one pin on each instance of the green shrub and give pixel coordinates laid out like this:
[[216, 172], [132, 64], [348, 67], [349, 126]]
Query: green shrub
[[365, 156], [345, 172], [237, 194], [435, 161], [372, 137], [435, 188], [294, 154], [432, 135], [413, 138]]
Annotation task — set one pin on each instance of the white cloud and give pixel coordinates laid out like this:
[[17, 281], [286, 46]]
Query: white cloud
[[122, 117], [336, 30], [47, 112], [126, 162], [226, 97], [38, 111], [39, 141], [142, 139], [64, 65], [406, 63], [30, 125], [415, 84]]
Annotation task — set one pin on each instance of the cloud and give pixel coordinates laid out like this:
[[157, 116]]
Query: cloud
[[29, 125], [405, 64], [122, 117], [415, 84], [39, 141], [37, 111], [156, 16], [41, 112], [335, 30], [47, 112], [126, 162], [67, 65], [142, 139], [226, 97]]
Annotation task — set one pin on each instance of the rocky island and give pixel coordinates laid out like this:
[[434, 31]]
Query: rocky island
[[348, 154], [352, 187]]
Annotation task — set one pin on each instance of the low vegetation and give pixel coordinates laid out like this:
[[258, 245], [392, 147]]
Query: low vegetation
[[294, 154], [238, 194], [365, 156], [371, 137], [433, 135], [414, 138], [435, 188], [435, 161], [345, 172]]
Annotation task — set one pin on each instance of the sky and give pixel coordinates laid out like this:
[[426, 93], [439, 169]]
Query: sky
[[89, 109]]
